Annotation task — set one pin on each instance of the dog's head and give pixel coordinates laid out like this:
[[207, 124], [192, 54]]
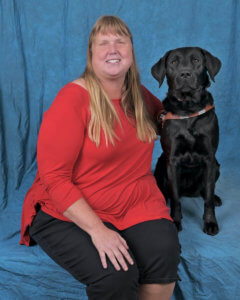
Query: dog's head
[[186, 69]]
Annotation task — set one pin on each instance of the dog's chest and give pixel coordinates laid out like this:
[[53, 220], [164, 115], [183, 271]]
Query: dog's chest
[[189, 139], [184, 136], [189, 132]]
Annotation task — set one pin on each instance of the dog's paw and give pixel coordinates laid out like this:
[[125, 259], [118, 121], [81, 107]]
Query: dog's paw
[[211, 228], [217, 201]]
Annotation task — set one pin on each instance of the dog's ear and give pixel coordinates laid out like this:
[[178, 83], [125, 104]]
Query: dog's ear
[[159, 69], [213, 64]]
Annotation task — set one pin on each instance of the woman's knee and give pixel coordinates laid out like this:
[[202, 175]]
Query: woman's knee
[[156, 248], [120, 280], [171, 242], [118, 285], [168, 247]]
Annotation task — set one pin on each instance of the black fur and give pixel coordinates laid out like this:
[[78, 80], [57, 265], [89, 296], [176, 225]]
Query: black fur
[[187, 166]]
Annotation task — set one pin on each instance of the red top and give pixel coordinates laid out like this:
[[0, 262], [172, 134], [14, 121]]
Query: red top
[[116, 181]]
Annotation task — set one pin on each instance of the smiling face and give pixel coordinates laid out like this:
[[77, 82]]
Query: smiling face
[[112, 56]]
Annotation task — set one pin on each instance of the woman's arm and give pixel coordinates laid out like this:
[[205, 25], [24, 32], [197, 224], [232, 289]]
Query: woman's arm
[[107, 242], [154, 105]]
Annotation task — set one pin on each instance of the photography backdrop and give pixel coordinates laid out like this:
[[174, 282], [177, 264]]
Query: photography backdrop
[[43, 46]]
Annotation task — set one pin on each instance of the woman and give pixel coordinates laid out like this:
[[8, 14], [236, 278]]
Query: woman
[[94, 206]]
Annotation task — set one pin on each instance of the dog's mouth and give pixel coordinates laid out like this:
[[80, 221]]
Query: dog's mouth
[[185, 84], [184, 95], [187, 87], [185, 92]]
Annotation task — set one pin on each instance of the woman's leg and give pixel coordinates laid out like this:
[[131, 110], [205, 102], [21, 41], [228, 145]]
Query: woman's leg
[[156, 291], [72, 248], [156, 249]]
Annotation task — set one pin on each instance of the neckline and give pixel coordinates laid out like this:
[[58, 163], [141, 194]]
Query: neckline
[[83, 88]]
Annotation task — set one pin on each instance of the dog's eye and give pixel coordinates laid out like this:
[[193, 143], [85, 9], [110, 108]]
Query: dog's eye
[[195, 60], [173, 62]]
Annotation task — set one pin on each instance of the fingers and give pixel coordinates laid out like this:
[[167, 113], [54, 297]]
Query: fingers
[[126, 255], [124, 242], [110, 244], [103, 259], [112, 256], [118, 257]]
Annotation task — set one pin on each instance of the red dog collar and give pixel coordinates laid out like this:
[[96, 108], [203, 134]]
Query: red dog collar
[[170, 116]]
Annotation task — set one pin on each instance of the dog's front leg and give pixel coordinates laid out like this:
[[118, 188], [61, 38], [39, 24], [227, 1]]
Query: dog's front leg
[[210, 221], [176, 212]]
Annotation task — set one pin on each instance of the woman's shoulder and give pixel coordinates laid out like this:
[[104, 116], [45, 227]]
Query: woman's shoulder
[[147, 93], [80, 82], [74, 88], [71, 98], [153, 103], [74, 92]]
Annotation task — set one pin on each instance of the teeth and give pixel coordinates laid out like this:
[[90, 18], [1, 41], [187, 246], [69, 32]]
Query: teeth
[[113, 61]]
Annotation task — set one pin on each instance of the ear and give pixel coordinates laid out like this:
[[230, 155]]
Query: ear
[[213, 64], [159, 69]]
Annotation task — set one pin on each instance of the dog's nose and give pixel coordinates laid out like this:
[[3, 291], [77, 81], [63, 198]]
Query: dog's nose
[[185, 74]]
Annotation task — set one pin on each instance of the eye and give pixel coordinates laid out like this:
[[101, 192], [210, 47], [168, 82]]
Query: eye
[[173, 62], [195, 60], [103, 43], [120, 42]]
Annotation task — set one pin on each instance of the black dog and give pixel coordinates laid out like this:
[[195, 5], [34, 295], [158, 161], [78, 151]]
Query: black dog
[[189, 132]]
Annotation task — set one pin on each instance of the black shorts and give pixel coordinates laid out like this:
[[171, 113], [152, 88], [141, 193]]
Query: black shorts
[[153, 245]]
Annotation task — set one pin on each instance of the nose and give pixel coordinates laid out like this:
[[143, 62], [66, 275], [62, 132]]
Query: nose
[[185, 74], [112, 48]]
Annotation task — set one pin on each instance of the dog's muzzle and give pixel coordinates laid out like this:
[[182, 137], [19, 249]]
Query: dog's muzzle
[[185, 82]]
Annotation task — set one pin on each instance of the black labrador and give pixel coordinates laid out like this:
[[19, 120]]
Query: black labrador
[[189, 132]]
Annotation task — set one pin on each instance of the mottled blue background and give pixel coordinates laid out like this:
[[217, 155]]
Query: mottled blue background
[[42, 47]]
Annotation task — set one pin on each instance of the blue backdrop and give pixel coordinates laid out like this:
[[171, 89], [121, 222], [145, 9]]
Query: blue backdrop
[[43, 46]]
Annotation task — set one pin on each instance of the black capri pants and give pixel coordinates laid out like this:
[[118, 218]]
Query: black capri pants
[[153, 245]]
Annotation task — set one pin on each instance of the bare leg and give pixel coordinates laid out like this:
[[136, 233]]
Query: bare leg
[[156, 291]]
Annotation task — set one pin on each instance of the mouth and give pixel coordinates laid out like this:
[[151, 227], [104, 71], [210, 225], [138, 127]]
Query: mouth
[[186, 88], [113, 61], [183, 94], [185, 85]]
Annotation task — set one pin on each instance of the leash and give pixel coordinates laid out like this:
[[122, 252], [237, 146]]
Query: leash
[[169, 116]]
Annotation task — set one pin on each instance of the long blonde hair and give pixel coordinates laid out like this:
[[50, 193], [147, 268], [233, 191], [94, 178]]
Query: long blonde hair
[[103, 113]]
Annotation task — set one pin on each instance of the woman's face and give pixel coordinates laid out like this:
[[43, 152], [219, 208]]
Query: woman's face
[[111, 56]]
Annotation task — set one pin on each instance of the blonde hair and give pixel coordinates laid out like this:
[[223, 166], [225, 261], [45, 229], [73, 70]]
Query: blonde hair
[[103, 113]]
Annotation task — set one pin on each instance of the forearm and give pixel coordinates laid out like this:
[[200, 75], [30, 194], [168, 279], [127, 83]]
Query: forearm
[[107, 242], [83, 215]]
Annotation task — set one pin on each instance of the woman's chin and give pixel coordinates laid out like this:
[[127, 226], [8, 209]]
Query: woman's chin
[[115, 74]]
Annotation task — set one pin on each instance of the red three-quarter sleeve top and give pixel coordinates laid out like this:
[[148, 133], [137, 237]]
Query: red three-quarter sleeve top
[[116, 181]]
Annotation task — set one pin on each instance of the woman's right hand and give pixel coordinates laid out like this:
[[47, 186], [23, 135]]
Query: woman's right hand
[[110, 243]]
